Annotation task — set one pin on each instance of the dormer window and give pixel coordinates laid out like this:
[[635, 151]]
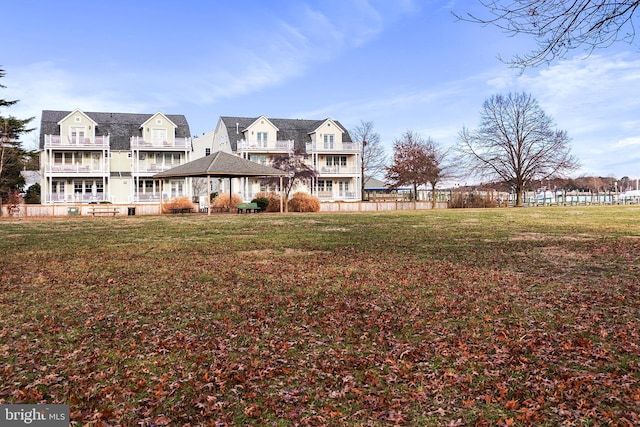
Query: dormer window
[[262, 138], [328, 141]]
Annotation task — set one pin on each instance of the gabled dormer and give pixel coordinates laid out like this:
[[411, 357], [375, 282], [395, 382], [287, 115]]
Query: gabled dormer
[[158, 130], [327, 135], [261, 131], [77, 128]]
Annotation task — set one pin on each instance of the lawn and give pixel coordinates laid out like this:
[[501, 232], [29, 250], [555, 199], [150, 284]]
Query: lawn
[[448, 317]]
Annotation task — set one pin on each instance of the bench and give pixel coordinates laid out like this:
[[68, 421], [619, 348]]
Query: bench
[[248, 207], [181, 210], [103, 210]]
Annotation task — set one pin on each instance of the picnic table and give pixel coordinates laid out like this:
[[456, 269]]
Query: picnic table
[[103, 210]]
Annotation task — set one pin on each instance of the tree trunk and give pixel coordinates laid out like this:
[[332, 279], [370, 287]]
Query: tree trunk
[[433, 196]]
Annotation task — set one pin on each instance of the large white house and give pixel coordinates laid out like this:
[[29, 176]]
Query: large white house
[[325, 145], [89, 157]]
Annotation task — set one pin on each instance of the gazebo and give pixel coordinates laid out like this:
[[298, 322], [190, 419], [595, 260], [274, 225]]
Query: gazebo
[[221, 165]]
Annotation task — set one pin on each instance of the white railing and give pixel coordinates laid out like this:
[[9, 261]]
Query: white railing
[[350, 147], [153, 167], [139, 142], [336, 170], [284, 145], [146, 197], [76, 197], [77, 168], [56, 141]]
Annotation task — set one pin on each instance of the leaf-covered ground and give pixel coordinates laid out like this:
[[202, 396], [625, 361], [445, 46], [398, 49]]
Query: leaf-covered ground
[[467, 317]]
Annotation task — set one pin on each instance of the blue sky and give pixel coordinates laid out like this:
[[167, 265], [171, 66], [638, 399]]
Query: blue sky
[[401, 64]]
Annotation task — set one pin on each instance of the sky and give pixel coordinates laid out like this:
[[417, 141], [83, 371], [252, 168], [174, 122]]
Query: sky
[[404, 65]]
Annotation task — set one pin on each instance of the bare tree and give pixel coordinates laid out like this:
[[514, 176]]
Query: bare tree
[[374, 158], [560, 26], [298, 172], [515, 143], [415, 162]]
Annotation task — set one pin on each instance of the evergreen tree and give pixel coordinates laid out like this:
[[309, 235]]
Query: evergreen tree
[[12, 155]]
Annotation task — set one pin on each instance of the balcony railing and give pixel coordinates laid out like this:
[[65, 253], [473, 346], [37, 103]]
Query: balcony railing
[[176, 143], [153, 167], [146, 197], [56, 141], [76, 197], [341, 147], [244, 145], [77, 168], [337, 170]]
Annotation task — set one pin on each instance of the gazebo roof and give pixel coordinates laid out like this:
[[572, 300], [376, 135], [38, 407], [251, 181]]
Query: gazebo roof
[[221, 165]]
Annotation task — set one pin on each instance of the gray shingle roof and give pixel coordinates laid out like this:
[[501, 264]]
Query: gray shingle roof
[[288, 129], [221, 164], [121, 126]]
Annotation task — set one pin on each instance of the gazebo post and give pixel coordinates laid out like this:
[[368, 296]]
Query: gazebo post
[[208, 195]]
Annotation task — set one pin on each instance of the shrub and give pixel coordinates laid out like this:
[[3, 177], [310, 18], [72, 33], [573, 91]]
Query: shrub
[[303, 202], [472, 200], [262, 202], [177, 202], [32, 196], [222, 200], [14, 201], [274, 201]]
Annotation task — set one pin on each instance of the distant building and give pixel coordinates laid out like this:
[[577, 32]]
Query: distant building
[[89, 157]]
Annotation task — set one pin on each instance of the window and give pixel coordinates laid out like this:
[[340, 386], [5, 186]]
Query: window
[[57, 158], [328, 141], [258, 158], [77, 187], [99, 187], [158, 136], [77, 135], [88, 187], [262, 139], [336, 160], [57, 187], [207, 151], [325, 185]]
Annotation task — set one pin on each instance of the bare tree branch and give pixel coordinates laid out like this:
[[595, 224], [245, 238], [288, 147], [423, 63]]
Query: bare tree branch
[[560, 26]]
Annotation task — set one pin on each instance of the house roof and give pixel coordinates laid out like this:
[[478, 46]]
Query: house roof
[[297, 130], [220, 164], [120, 126]]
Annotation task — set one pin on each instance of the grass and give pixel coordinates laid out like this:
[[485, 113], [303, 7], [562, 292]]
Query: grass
[[446, 317]]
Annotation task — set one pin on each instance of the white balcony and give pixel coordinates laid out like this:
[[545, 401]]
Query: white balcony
[[338, 170], [153, 168], [336, 147], [74, 169], [265, 146], [176, 144], [56, 141]]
